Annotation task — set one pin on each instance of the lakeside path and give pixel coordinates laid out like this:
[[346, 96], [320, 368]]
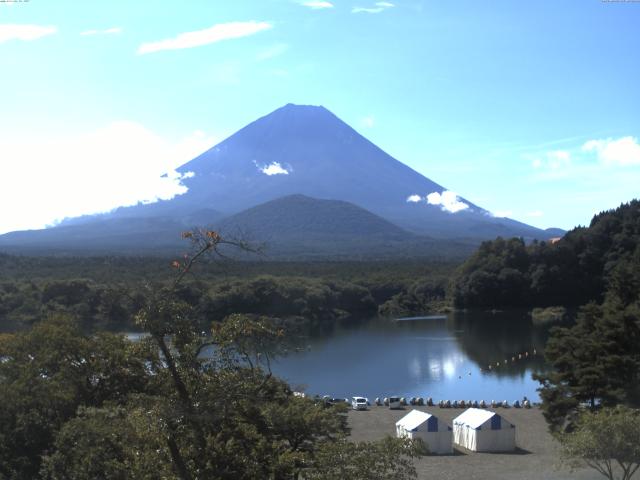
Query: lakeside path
[[536, 459]]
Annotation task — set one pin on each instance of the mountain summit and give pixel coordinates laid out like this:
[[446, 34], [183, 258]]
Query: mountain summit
[[303, 150], [300, 150]]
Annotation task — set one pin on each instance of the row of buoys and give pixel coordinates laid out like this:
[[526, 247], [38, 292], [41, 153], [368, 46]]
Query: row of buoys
[[514, 359], [420, 401], [482, 404]]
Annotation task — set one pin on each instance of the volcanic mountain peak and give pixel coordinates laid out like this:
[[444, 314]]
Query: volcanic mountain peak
[[307, 150]]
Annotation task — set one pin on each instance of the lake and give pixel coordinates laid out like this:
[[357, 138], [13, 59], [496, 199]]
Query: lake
[[444, 357]]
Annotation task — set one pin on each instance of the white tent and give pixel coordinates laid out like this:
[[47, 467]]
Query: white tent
[[483, 431], [436, 435]]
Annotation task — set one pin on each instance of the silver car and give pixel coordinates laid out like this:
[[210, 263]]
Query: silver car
[[359, 403]]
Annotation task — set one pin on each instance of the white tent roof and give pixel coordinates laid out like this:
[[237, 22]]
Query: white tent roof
[[413, 419], [474, 417]]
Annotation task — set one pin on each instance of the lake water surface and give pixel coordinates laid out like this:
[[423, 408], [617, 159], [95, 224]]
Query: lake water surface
[[440, 357]]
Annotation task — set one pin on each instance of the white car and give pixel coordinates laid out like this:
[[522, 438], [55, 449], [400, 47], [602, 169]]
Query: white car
[[394, 403], [359, 403]]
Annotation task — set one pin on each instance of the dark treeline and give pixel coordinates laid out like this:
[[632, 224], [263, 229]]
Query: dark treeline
[[577, 269], [104, 293], [595, 363]]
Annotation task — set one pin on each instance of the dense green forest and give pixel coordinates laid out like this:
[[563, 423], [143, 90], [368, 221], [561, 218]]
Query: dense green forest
[[104, 293], [86, 406], [577, 269]]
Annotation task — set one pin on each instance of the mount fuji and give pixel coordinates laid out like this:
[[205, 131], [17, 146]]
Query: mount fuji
[[302, 156]]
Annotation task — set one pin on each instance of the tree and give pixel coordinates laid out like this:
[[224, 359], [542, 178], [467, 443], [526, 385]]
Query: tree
[[595, 362], [113, 442], [607, 441], [46, 373], [179, 404], [388, 459]]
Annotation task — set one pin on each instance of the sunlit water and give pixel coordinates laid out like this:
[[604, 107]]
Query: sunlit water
[[443, 358]]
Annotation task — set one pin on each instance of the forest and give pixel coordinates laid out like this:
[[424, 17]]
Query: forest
[[104, 293], [577, 269]]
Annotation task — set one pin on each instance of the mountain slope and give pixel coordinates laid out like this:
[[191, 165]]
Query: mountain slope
[[301, 217], [301, 227], [300, 149], [295, 150], [90, 235]]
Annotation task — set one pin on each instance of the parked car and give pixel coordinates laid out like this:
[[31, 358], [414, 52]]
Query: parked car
[[395, 402], [328, 401], [359, 403]]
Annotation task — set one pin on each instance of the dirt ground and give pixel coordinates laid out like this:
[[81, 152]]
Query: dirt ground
[[536, 458]]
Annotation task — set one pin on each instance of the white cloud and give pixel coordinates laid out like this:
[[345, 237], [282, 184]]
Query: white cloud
[[106, 31], [377, 8], [368, 122], [623, 152], [120, 164], [274, 168], [535, 214], [317, 4], [366, 10], [24, 32], [216, 33], [447, 200]]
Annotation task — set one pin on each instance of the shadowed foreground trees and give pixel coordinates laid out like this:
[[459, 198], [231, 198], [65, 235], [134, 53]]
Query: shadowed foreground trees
[[177, 404], [590, 394], [594, 363]]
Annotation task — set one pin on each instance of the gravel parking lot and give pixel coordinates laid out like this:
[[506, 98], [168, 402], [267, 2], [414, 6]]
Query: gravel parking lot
[[536, 458]]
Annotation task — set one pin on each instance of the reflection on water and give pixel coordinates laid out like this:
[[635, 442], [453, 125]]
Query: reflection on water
[[443, 358]]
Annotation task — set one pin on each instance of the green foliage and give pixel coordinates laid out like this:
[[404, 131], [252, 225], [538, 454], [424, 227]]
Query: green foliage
[[596, 362], [106, 443], [493, 276], [45, 375], [109, 295], [388, 459], [579, 268], [102, 404], [607, 441], [423, 295]]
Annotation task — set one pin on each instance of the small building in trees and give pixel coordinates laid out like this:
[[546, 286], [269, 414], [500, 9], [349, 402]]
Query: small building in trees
[[435, 434], [481, 430]]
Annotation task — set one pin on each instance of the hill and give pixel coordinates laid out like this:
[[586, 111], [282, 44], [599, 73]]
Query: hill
[[297, 226]]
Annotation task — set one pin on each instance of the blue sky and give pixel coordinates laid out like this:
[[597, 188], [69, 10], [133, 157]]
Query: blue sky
[[528, 109]]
